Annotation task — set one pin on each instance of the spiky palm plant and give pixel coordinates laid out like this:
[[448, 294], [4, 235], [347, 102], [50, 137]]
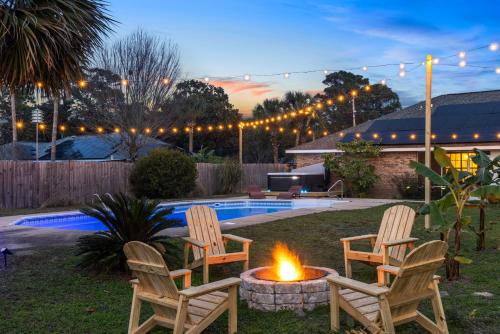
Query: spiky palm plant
[[270, 108], [127, 219], [49, 41]]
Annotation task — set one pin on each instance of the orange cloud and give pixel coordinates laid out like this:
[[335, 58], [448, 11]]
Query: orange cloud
[[313, 92], [238, 86]]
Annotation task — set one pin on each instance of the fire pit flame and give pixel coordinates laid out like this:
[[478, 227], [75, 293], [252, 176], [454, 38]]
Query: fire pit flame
[[286, 264]]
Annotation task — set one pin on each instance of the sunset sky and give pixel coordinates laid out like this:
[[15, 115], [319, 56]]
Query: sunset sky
[[220, 39]]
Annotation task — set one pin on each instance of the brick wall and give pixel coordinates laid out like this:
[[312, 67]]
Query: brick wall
[[387, 166]]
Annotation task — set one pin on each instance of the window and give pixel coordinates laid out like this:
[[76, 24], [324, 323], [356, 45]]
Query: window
[[463, 161]]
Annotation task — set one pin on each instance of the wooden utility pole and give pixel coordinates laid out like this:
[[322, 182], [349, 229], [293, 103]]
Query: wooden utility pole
[[428, 133], [240, 132]]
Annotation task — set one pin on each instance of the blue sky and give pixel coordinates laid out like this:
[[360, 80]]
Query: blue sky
[[226, 38]]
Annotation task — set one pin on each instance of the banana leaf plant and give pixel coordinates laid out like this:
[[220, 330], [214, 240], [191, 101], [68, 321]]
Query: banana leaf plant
[[488, 171], [461, 187]]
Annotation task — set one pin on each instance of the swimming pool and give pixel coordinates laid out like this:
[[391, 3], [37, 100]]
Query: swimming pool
[[226, 210]]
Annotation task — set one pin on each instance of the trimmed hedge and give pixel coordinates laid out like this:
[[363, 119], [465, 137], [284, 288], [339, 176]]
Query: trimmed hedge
[[163, 173]]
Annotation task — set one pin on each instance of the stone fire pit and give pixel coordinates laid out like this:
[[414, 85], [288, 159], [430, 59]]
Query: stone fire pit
[[271, 295]]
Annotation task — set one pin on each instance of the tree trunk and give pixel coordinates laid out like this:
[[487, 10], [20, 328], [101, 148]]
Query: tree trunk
[[452, 265], [13, 113], [481, 236], [276, 145], [297, 139], [54, 128]]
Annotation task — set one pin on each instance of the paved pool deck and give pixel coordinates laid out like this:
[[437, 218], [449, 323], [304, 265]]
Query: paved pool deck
[[25, 240]]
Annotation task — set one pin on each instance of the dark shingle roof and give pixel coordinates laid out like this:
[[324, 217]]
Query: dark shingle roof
[[451, 113]]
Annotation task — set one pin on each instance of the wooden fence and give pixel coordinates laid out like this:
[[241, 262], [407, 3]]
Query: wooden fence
[[29, 184]]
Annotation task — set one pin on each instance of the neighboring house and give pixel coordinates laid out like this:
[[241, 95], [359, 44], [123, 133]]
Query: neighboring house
[[88, 147], [460, 123]]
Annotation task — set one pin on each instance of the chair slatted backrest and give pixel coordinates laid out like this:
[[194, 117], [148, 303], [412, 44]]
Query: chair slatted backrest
[[204, 226], [396, 224], [414, 280], [148, 265]]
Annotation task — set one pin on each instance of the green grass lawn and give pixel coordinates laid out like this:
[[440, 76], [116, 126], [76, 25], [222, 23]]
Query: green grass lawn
[[45, 293]]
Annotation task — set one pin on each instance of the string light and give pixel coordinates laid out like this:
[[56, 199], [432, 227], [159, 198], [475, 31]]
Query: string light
[[210, 128], [402, 66], [207, 79], [230, 126], [42, 126], [166, 81], [358, 135], [497, 70], [383, 82], [39, 84], [319, 105], [364, 68], [267, 128], [186, 129], [462, 63], [433, 136], [475, 136], [286, 75], [435, 61], [325, 71], [413, 136], [247, 77], [100, 130], [375, 136], [221, 127], [309, 132], [367, 88], [199, 128], [325, 133], [82, 84], [147, 130], [117, 130], [124, 82], [161, 130], [461, 54], [354, 93], [498, 135], [454, 136], [341, 135], [133, 130], [19, 125], [295, 131], [82, 129], [493, 46], [394, 136], [281, 130], [329, 102], [175, 130], [341, 98], [402, 74], [62, 128]]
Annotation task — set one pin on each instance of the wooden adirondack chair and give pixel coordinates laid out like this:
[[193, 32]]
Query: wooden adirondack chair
[[389, 245], [208, 243], [186, 311], [380, 308]]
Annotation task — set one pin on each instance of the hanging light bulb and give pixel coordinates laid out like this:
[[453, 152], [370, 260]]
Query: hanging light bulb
[[462, 63], [100, 130], [207, 79], [461, 54], [199, 128], [82, 84], [497, 70], [383, 82], [61, 127], [147, 130], [19, 125], [341, 98], [402, 74], [494, 46], [166, 81], [367, 88], [247, 77], [325, 133], [117, 130], [39, 85], [82, 129], [402, 66], [325, 71], [286, 75], [364, 68], [435, 61], [124, 82], [175, 130]]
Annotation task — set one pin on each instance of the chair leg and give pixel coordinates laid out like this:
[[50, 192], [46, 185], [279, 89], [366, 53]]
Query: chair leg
[[135, 312], [246, 249], [347, 262], [233, 309], [438, 309], [385, 314], [334, 308], [181, 315]]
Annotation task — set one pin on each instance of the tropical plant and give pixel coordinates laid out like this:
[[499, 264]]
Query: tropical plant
[[461, 185], [206, 155], [49, 41], [163, 173], [487, 173], [126, 219], [353, 166], [229, 176], [270, 108], [296, 101]]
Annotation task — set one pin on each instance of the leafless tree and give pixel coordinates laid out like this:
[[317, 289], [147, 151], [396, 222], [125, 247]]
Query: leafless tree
[[148, 68]]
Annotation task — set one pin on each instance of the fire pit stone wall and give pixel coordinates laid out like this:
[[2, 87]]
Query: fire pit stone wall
[[273, 296]]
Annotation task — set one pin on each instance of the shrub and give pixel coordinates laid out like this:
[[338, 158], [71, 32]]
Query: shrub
[[127, 219], [353, 165], [163, 174], [228, 176]]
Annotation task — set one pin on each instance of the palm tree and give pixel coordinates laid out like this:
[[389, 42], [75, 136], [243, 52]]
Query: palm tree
[[296, 101], [49, 41], [270, 108]]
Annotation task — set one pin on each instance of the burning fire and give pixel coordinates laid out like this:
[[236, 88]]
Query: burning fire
[[286, 264]]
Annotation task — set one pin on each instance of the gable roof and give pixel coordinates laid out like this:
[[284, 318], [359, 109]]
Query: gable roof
[[463, 113], [87, 147]]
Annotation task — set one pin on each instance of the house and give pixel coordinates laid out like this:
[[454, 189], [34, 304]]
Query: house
[[460, 123], [87, 147]]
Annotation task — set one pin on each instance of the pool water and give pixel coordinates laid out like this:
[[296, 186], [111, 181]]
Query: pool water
[[225, 211]]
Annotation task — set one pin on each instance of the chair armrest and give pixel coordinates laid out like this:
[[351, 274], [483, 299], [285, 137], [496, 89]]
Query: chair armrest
[[210, 287], [368, 289], [392, 243], [360, 237], [134, 281], [389, 269], [235, 238], [197, 243], [185, 274]]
